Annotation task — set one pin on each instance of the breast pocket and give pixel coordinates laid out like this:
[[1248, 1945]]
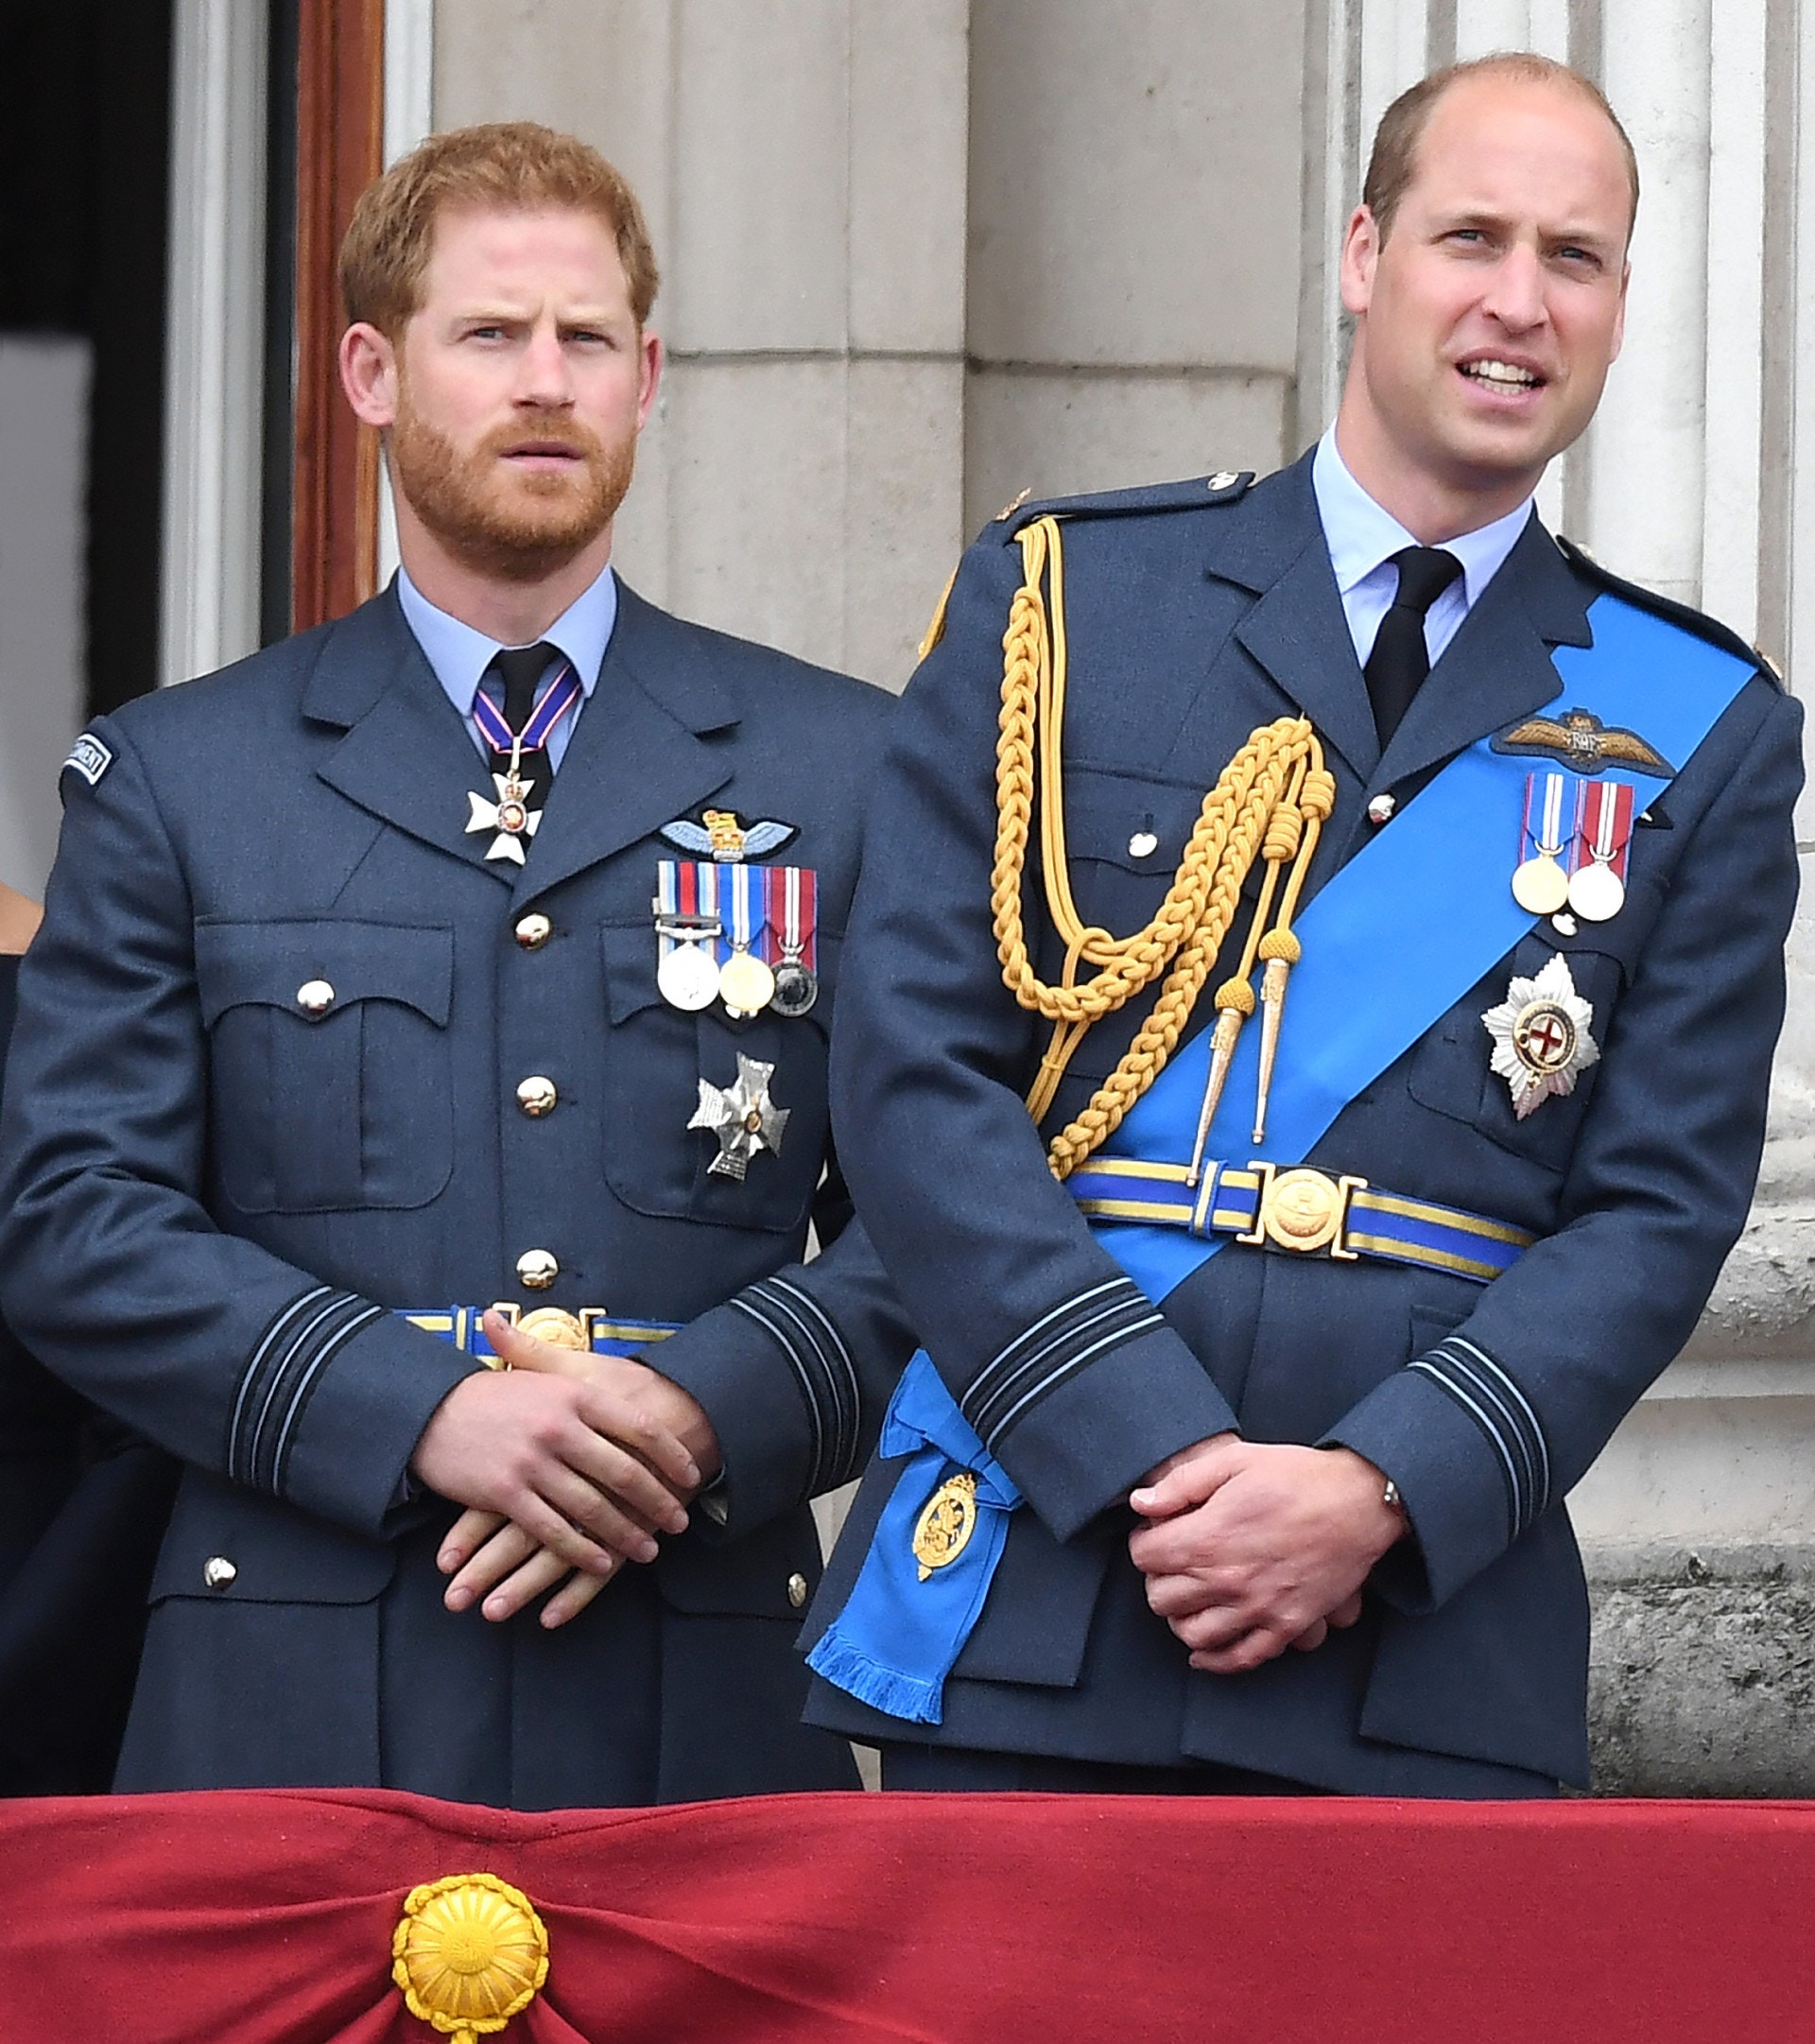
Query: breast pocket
[[654, 1060], [1451, 1070], [332, 1079]]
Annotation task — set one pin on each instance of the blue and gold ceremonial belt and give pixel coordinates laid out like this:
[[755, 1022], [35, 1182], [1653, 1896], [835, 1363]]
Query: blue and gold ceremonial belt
[[1301, 1209], [590, 1328]]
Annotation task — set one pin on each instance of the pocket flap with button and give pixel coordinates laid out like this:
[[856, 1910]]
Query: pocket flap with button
[[232, 1546], [270, 964]]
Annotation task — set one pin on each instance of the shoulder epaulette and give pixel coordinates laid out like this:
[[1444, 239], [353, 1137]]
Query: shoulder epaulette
[[1690, 619], [1225, 487]]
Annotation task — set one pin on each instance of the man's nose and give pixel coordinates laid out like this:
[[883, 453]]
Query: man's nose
[[1515, 292], [544, 376]]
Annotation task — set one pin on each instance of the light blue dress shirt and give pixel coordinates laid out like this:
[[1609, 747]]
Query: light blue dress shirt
[[1363, 538], [459, 655]]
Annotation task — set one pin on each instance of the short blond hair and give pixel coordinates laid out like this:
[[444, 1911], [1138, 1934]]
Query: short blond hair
[[1393, 162], [500, 166]]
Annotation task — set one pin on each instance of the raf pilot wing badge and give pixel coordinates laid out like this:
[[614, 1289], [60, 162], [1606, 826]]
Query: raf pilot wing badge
[[721, 835], [1579, 739]]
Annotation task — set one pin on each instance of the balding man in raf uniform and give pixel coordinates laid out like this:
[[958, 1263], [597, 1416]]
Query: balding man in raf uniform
[[476, 951], [1304, 1053]]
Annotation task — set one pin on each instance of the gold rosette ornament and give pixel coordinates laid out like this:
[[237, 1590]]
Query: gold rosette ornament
[[468, 1954]]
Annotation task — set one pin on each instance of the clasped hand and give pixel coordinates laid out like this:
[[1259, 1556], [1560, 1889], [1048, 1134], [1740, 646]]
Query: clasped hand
[[1250, 1546], [569, 1464]]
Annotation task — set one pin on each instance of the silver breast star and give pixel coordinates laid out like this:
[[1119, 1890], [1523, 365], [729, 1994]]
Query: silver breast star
[[743, 1117], [1542, 1039], [510, 816]]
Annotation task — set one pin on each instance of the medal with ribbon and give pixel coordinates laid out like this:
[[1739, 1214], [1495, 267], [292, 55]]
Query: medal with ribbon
[[515, 814], [793, 910], [687, 968], [1604, 831], [744, 980], [1541, 880]]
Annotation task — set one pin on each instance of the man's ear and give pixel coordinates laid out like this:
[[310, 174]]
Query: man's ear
[[649, 377], [1361, 241], [369, 374], [1619, 318]]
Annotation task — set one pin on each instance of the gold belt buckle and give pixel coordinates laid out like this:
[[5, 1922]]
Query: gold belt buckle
[[554, 1325], [1302, 1211]]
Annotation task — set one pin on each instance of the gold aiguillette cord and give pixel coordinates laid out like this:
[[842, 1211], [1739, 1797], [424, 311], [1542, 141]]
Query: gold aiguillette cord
[[1269, 802]]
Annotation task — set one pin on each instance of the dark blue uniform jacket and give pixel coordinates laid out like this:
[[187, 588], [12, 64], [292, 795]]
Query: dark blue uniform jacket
[[207, 1191], [1196, 614]]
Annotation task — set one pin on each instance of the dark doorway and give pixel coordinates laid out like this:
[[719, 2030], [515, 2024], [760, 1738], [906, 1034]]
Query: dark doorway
[[85, 183]]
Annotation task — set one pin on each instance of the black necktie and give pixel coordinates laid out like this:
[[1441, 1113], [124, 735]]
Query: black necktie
[[521, 667], [1400, 660]]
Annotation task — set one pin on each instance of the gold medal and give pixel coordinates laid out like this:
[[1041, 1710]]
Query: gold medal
[[745, 983], [1540, 886], [944, 1530]]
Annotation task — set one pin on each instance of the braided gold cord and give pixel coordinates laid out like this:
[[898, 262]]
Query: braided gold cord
[[1268, 802]]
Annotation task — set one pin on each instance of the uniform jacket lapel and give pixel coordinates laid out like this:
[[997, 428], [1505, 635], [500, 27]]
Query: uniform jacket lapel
[[636, 758], [1273, 545], [639, 756], [405, 757]]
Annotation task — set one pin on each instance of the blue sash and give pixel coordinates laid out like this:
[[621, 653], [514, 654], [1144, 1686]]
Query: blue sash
[[1371, 981]]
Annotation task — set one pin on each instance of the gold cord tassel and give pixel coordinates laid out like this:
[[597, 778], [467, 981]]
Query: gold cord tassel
[[1268, 802]]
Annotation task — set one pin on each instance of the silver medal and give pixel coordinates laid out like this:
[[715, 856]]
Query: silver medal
[[687, 976], [796, 989], [1596, 892]]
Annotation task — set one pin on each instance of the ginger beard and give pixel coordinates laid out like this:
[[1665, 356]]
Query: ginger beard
[[515, 524]]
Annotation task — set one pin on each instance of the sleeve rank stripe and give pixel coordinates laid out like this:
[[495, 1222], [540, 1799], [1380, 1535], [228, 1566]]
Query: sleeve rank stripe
[[1048, 1334], [761, 1315], [1070, 1368], [1112, 1322], [983, 1407], [261, 1453], [850, 1390], [1457, 1343], [252, 1384], [305, 1391], [1487, 1427], [1508, 1420], [834, 1415]]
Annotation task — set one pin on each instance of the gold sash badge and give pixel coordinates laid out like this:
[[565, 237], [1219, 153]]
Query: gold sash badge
[[944, 1530]]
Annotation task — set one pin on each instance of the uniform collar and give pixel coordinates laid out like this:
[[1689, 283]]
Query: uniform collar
[[1361, 535], [459, 655]]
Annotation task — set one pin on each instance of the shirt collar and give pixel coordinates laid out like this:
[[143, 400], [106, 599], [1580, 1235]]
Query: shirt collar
[[459, 655], [1361, 535]]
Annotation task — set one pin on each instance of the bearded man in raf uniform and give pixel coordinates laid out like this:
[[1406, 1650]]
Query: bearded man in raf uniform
[[476, 951]]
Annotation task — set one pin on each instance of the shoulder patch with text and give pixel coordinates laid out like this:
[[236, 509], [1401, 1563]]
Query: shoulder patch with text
[[90, 758]]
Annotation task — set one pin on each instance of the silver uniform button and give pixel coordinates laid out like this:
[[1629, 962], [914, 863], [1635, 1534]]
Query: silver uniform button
[[1380, 810], [797, 1590], [537, 1269], [533, 931], [315, 997], [217, 1573], [1143, 844], [536, 1095], [1225, 478]]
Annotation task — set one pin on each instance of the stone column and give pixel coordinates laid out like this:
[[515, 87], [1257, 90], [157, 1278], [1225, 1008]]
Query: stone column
[[804, 166]]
